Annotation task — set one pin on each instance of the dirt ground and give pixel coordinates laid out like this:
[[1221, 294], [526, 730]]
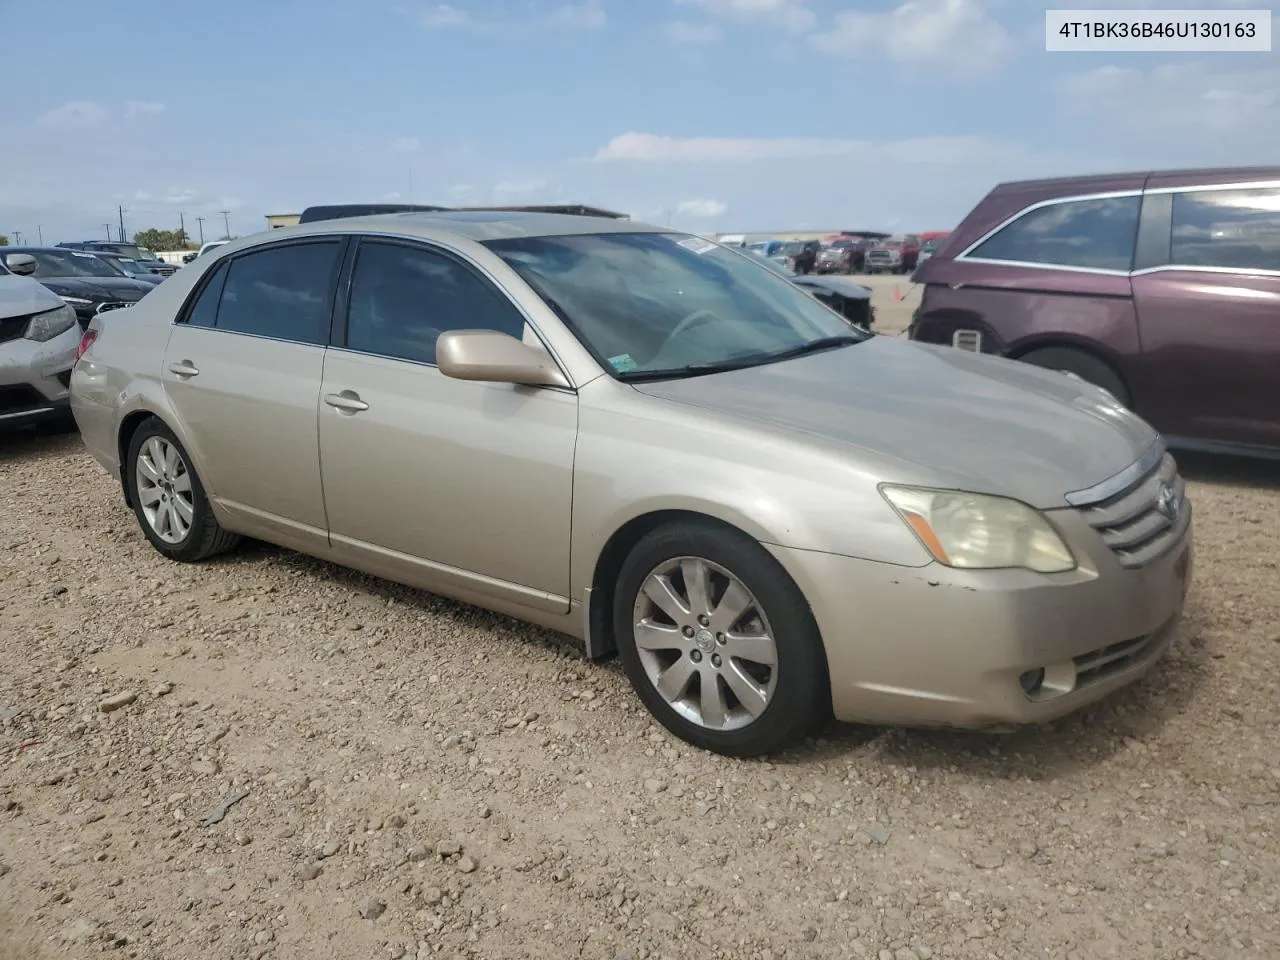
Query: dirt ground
[[413, 778]]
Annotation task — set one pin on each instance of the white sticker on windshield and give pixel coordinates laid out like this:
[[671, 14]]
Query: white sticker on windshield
[[87, 256], [697, 245]]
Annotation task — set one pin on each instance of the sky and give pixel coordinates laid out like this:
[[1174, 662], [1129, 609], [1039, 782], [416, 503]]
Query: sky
[[707, 115]]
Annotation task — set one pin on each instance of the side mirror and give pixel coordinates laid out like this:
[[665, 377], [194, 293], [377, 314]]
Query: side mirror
[[22, 264], [493, 357]]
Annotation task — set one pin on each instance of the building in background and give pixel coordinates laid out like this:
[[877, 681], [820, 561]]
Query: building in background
[[277, 220]]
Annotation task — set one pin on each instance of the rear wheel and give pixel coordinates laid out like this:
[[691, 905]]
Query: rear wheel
[[1081, 364], [718, 642], [169, 499]]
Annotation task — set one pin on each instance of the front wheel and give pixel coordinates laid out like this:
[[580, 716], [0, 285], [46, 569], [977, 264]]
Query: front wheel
[[169, 499], [718, 642]]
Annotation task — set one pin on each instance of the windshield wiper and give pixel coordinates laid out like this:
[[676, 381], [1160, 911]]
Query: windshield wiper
[[813, 346], [739, 363]]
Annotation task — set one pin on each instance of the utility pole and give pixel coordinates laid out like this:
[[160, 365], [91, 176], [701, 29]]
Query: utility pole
[[40, 233], [226, 222], [182, 226], [121, 211], [17, 235], [200, 224], [108, 229]]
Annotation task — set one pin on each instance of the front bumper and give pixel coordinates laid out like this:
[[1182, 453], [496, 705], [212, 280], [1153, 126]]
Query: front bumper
[[34, 378], [935, 646]]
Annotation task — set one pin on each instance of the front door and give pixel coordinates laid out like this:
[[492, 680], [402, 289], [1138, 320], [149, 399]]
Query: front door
[[1209, 319], [242, 371], [439, 482]]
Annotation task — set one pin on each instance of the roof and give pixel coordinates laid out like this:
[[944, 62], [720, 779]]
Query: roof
[[1103, 180], [478, 225]]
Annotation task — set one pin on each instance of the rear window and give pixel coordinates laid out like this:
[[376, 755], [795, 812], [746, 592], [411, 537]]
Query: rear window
[[1096, 234], [1236, 229]]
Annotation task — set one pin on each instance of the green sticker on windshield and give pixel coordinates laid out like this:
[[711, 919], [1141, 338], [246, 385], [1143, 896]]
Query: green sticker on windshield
[[622, 363]]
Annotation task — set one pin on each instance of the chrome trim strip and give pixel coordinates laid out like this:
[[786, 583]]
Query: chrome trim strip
[[1054, 202], [1248, 185], [1189, 268], [1095, 271], [29, 412], [1122, 481]]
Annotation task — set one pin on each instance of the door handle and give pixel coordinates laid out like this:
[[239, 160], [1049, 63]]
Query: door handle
[[184, 369], [348, 401]]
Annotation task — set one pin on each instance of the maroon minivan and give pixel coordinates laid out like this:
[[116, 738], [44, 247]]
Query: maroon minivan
[[1162, 287]]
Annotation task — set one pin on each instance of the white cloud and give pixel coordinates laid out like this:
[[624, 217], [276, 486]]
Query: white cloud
[[702, 208], [656, 148], [791, 15], [685, 32], [958, 33], [77, 113], [508, 189], [143, 108], [444, 15], [1189, 101], [580, 16]]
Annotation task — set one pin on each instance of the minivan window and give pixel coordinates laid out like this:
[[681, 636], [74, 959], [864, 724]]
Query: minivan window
[[403, 298], [281, 292], [1097, 234], [1238, 229]]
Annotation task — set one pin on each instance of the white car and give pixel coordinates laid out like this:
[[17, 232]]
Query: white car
[[39, 337]]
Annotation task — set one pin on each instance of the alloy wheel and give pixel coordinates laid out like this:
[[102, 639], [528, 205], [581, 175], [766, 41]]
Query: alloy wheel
[[164, 490], [705, 643]]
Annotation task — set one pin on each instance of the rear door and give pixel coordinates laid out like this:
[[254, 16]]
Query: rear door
[[1208, 302], [242, 370]]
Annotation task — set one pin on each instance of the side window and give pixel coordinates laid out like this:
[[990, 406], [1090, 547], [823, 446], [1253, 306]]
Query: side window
[[204, 312], [1239, 229], [403, 298], [1099, 234], [281, 292]]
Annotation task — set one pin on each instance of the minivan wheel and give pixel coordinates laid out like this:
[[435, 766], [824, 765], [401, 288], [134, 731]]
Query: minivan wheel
[[718, 642], [1083, 365], [169, 499]]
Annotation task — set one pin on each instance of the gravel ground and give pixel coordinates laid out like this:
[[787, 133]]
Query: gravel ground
[[265, 756]]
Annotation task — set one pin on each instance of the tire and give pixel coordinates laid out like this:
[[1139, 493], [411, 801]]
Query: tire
[[177, 484], [1084, 365], [787, 701]]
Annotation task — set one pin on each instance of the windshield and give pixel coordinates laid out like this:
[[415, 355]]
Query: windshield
[[144, 254], [117, 264], [70, 264], [659, 303]]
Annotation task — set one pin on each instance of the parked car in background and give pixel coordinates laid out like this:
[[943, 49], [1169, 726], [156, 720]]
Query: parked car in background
[[205, 248], [884, 257], [926, 251], [129, 268], [842, 294], [131, 250], [843, 255], [38, 340], [79, 278], [1162, 287], [644, 440], [799, 256]]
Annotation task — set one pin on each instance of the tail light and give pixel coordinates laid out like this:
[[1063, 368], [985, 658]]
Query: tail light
[[86, 341]]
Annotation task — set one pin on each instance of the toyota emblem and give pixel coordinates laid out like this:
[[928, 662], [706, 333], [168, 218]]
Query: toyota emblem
[[1167, 501]]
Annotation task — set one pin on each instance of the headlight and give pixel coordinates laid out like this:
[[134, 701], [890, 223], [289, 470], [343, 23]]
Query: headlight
[[976, 532], [46, 326], [76, 301]]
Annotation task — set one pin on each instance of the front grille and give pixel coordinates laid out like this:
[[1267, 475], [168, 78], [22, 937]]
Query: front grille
[[12, 328], [1100, 663], [110, 305], [19, 399], [1147, 519]]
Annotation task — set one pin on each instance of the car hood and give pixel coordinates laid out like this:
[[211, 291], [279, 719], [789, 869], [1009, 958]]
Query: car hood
[[98, 288], [962, 420], [21, 296]]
